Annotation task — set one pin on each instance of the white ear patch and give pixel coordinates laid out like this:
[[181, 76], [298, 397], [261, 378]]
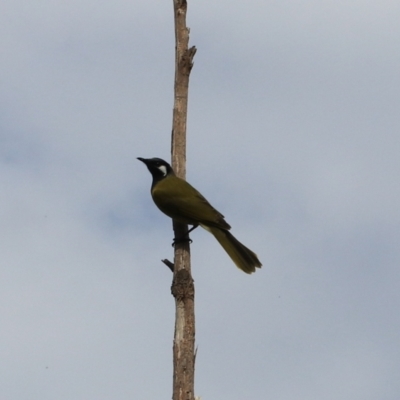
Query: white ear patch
[[163, 169]]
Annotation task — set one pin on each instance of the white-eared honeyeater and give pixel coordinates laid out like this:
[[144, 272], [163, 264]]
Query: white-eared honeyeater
[[183, 203]]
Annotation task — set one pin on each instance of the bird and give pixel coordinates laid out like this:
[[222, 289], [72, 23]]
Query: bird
[[183, 203]]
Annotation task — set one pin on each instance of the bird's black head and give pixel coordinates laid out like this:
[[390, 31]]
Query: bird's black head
[[158, 168]]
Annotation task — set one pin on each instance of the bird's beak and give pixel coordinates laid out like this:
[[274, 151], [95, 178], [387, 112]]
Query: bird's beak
[[143, 160]]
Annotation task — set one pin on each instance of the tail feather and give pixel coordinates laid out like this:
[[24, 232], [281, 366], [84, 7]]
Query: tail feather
[[243, 257]]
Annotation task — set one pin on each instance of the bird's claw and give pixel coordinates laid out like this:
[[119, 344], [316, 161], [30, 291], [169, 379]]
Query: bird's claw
[[181, 240]]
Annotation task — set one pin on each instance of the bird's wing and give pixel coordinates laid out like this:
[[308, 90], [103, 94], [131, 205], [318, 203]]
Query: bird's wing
[[181, 201]]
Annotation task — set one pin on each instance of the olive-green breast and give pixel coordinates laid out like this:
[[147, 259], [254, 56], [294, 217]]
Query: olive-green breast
[[182, 202]]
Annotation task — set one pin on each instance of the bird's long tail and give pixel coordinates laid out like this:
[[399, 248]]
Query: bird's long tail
[[242, 256]]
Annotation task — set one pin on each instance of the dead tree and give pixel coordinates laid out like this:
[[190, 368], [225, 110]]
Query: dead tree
[[182, 285]]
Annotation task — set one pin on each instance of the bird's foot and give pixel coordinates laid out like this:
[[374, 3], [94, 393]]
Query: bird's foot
[[183, 239]]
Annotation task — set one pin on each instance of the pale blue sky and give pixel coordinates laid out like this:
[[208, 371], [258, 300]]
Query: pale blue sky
[[293, 134]]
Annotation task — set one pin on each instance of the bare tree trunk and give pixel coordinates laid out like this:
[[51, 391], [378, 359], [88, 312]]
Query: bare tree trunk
[[182, 286]]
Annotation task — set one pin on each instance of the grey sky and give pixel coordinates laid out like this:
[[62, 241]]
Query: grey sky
[[293, 134]]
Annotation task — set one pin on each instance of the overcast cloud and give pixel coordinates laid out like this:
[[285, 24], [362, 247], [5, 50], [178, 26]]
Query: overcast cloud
[[293, 134]]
